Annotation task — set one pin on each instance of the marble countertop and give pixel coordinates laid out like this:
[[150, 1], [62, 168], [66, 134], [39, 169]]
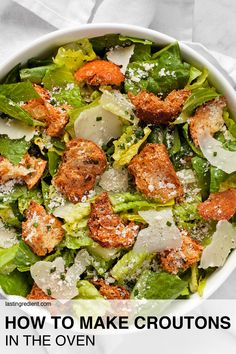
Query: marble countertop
[[209, 22]]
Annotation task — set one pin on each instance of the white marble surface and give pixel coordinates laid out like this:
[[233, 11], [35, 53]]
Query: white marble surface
[[210, 22]]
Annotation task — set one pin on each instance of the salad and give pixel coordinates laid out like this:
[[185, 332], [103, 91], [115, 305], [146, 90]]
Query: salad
[[117, 173]]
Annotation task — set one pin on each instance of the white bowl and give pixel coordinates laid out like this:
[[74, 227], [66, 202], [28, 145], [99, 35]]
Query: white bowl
[[57, 38]]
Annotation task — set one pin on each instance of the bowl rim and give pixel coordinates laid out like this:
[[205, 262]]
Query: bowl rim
[[59, 37]]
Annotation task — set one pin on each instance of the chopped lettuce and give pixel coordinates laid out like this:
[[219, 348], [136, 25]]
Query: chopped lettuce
[[130, 266], [53, 161], [202, 170], [74, 55], [57, 77], [200, 79], [16, 283], [127, 146], [7, 259], [14, 110], [151, 285], [87, 290], [13, 149], [35, 74], [163, 73], [80, 240], [172, 140], [19, 92], [229, 182], [105, 253], [70, 95], [29, 195], [8, 217], [189, 140], [24, 257], [13, 76], [230, 123], [141, 52], [72, 213], [217, 177]]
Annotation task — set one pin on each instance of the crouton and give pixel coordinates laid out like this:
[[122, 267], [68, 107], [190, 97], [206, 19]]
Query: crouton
[[55, 117], [174, 261], [208, 116], [29, 170], [151, 109], [111, 292], [107, 228], [37, 294], [82, 162], [100, 72], [154, 173], [37, 166], [41, 231], [219, 206]]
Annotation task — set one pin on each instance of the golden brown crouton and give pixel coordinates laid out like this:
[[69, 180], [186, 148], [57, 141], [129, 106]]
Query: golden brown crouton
[[29, 170], [107, 228], [219, 206], [100, 72], [82, 161], [154, 173], [41, 231], [174, 261], [151, 109], [111, 292], [208, 116], [37, 166], [37, 294], [55, 117]]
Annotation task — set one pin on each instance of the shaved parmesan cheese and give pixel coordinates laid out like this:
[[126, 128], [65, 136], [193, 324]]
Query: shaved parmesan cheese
[[121, 56], [8, 237], [114, 180], [98, 125], [223, 240], [116, 103], [52, 277], [214, 152], [15, 129], [161, 233]]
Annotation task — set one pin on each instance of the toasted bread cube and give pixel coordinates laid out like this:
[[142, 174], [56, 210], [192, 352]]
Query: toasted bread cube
[[41, 231], [151, 109], [37, 294], [111, 292], [174, 261], [219, 206], [154, 173], [100, 72]]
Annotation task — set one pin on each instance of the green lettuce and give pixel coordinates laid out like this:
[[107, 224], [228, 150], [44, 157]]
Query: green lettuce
[[229, 182], [70, 95], [202, 169], [130, 266], [87, 290], [16, 283], [7, 259], [53, 161], [151, 285], [57, 77], [197, 78], [142, 52], [127, 146], [24, 257], [35, 74], [13, 76], [172, 140], [28, 196], [8, 217], [230, 123], [163, 73], [13, 149], [74, 55], [14, 110], [189, 140], [21, 91], [105, 253], [217, 177], [80, 240]]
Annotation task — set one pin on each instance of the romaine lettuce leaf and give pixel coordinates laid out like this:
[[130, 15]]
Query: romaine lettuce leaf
[[202, 170], [14, 110], [53, 161], [127, 146], [21, 91], [13, 149], [189, 140], [73, 55], [229, 182], [130, 266], [57, 77], [217, 178], [35, 74], [16, 283], [8, 217], [70, 95], [142, 52], [163, 73], [29, 195], [87, 290], [24, 257], [230, 123], [162, 285], [75, 242], [7, 259], [200, 79], [13, 76]]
